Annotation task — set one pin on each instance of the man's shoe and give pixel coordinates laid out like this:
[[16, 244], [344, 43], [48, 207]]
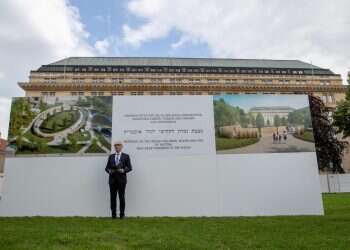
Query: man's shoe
[[121, 217]]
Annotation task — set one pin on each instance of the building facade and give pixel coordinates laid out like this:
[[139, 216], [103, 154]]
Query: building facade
[[99, 76]]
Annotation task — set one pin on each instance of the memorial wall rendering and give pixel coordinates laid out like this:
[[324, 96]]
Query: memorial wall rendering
[[227, 124]]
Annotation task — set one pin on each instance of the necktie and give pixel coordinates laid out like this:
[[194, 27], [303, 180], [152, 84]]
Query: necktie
[[117, 159]]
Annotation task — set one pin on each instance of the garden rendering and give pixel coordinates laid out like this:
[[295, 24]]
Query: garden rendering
[[61, 125], [259, 124]]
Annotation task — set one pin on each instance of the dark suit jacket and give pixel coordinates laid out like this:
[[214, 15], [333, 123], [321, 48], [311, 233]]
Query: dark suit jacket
[[118, 178]]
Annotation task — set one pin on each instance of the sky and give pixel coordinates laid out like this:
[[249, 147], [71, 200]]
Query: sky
[[37, 32], [247, 102]]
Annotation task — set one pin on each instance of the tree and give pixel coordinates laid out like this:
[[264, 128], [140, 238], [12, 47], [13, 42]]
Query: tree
[[329, 149], [268, 123], [341, 116]]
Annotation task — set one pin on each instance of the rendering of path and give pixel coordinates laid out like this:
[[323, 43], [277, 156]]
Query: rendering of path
[[58, 136], [89, 128], [266, 145]]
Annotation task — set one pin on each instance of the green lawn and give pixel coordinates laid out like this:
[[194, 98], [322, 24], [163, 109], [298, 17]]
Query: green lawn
[[231, 143], [331, 231]]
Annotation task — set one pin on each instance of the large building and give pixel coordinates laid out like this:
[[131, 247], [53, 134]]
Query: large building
[[99, 76], [106, 76]]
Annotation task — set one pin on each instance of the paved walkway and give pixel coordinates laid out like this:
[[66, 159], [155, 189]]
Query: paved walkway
[[266, 145]]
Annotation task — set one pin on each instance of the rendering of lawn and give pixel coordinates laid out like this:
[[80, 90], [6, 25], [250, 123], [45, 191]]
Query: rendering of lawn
[[330, 231], [60, 121], [306, 136], [232, 143]]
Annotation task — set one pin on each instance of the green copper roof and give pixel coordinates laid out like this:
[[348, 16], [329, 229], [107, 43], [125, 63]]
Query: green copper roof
[[183, 62]]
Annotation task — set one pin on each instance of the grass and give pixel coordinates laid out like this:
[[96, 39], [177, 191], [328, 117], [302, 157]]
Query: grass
[[306, 136], [227, 143], [280, 232]]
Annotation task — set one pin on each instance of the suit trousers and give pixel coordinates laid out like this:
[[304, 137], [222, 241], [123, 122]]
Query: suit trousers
[[117, 187]]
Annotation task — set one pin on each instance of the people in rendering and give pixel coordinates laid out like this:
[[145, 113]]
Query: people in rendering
[[285, 136], [118, 165]]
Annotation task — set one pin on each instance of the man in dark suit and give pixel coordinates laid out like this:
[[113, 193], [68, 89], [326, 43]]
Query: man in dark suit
[[118, 165]]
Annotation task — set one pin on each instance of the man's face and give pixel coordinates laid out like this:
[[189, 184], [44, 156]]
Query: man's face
[[118, 147]]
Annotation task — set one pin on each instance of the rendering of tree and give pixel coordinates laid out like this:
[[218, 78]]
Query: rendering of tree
[[73, 142], [300, 117], [329, 149], [277, 121], [54, 126], [19, 141], [260, 122], [341, 116], [284, 121], [42, 105], [42, 146], [225, 114]]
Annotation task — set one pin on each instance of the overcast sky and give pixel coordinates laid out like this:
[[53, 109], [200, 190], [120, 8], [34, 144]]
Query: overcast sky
[[36, 32]]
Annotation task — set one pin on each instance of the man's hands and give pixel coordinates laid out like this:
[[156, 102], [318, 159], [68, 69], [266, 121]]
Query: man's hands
[[119, 170]]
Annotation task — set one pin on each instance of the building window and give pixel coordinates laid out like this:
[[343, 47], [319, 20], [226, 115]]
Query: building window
[[267, 81], [97, 80], [78, 80], [44, 93], [52, 93], [212, 81]]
